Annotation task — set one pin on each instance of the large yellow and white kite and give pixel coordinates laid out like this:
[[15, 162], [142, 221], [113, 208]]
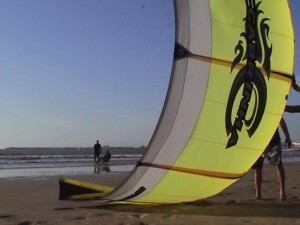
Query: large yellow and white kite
[[231, 76]]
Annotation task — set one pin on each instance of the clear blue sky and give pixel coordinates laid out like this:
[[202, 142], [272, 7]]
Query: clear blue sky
[[73, 71]]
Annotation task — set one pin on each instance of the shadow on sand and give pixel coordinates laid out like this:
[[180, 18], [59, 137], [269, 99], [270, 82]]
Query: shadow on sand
[[232, 209]]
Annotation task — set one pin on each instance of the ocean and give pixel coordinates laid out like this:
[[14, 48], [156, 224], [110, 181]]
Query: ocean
[[43, 162]]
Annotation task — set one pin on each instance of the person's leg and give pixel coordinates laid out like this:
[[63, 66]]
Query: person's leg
[[96, 156], [281, 178], [258, 180], [274, 157], [258, 166]]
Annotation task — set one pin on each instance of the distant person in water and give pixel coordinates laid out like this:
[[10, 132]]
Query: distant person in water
[[106, 157], [97, 151]]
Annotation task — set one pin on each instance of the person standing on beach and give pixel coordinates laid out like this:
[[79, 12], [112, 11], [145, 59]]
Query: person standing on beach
[[97, 151], [273, 153]]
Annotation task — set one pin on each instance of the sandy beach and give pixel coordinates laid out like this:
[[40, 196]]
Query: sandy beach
[[34, 200]]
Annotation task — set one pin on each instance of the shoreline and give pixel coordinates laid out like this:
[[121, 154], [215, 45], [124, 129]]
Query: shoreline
[[70, 169], [32, 169], [34, 200]]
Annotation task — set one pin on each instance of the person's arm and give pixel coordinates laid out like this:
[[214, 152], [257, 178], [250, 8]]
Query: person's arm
[[286, 133], [292, 108], [296, 88], [294, 85]]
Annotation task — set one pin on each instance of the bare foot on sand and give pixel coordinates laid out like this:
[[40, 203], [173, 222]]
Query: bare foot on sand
[[257, 198], [283, 197]]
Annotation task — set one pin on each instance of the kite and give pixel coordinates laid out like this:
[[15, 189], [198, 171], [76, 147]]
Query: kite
[[231, 76]]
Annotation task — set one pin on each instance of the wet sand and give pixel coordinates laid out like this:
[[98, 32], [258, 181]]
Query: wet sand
[[32, 201]]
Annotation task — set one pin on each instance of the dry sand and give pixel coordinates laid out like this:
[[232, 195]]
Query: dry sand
[[31, 201]]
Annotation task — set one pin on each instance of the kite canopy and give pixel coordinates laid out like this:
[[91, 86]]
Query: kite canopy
[[232, 70]]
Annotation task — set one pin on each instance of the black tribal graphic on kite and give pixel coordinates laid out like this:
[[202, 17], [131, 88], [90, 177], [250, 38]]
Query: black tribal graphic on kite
[[249, 77]]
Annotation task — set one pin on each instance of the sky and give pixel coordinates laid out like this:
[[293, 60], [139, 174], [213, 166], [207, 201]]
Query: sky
[[75, 71]]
